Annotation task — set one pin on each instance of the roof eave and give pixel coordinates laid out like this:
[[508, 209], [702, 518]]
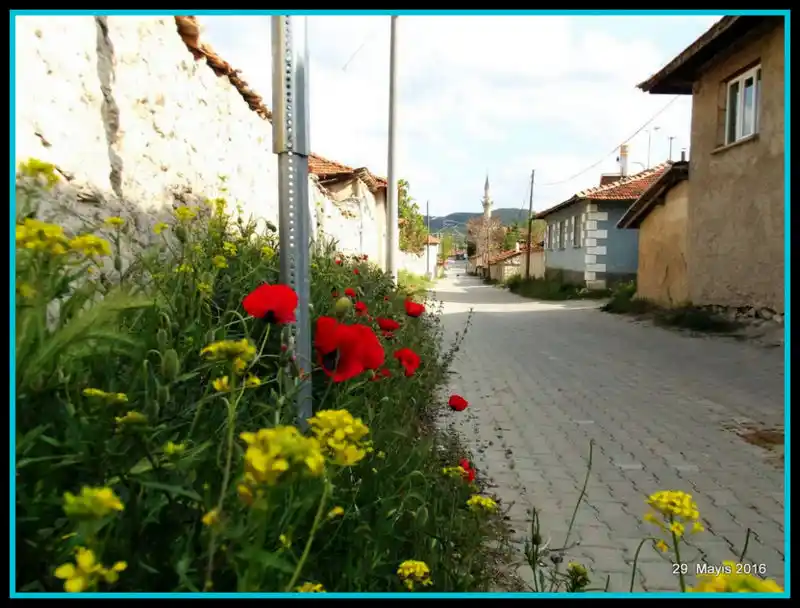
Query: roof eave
[[642, 206]]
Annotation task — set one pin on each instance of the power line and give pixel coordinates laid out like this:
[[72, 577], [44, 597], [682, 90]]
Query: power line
[[616, 147]]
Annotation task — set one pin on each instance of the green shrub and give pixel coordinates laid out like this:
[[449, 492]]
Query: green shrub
[[155, 437]]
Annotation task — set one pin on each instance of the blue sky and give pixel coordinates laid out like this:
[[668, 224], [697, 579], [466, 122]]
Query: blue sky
[[476, 94]]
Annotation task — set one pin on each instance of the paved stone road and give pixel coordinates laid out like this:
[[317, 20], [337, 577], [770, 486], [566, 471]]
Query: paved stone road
[[545, 378]]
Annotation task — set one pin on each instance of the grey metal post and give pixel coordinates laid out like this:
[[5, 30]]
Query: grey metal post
[[290, 141], [392, 230], [530, 229], [427, 245]]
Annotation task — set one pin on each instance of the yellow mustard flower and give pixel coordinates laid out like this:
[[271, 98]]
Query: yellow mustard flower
[[26, 291], [335, 512], [454, 472], [310, 588], [230, 350], [222, 384], [96, 393], [87, 571], [662, 546], [729, 580], [184, 268], [90, 245], [39, 236], [219, 261], [160, 227], [252, 381], [230, 249], [35, 168], [677, 528], [341, 436], [245, 493], [267, 251], [285, 541], [185, 214], [115, 222], [476, 502], [204, 288], [273, 453], [173, 449], [413, 572], [131, 418], [212, 518], [92, 502], [674, 505]]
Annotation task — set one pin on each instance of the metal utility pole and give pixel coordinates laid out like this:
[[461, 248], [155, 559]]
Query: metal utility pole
[[427, 248], [670, 146], [393, 229], [290, 141], [530, 229], [649, 140]]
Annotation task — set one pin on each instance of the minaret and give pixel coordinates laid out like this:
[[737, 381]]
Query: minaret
[[487, 200]]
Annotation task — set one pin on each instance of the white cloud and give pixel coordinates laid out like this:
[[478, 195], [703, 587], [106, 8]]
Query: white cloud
[[503, 94]]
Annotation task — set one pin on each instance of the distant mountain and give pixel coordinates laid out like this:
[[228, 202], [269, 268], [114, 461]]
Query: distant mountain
[[458, 221]]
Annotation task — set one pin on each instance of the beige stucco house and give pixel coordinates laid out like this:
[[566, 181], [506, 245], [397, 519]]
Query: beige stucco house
[[660, 215], [359, 194], [736, 191]]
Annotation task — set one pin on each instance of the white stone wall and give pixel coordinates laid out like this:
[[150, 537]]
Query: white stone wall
[[121, 107]]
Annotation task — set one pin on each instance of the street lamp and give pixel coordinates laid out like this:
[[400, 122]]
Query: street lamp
[[649, 140]]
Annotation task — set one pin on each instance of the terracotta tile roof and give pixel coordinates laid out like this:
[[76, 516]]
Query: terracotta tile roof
[[677, 76], [627, 188], [507, 255], [432, 240], [189, 31]]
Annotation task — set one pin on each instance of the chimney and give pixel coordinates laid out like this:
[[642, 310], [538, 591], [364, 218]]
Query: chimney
[[623, 160], [683, 156]]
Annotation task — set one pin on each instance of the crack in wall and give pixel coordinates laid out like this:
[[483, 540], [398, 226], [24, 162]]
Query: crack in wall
[[109, 110]]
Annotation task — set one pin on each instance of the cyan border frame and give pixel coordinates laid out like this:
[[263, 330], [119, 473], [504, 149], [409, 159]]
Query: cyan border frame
[[12, 301]]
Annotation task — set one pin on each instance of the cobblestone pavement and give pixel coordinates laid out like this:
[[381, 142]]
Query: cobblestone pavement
[[543, 379]]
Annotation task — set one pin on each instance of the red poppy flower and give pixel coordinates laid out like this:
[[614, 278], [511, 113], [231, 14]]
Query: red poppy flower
[[338, 262], [345, 351], [360, 308], [389, 335], [275, 303], [408, 359], [413, 309], [388, 324], [469, 472], [381, 374], [334, 294], [385, 298], [458, 403], [365, 257], [356, 271], [350, 292]]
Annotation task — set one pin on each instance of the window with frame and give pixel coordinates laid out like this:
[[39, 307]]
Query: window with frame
[[741, 110], [576, 231], [561, 233]]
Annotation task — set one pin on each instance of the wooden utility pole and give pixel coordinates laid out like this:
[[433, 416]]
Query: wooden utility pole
[[530, 229]]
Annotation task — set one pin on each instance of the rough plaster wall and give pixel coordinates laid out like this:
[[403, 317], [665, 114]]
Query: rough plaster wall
[[352, 219], [662, 274], [736, 217], [411, 262], [120, 104]]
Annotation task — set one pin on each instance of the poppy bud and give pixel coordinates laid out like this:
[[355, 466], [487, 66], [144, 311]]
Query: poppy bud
[[180, 233], [161, 339], [342, 306], [118, 263], [170, 365]]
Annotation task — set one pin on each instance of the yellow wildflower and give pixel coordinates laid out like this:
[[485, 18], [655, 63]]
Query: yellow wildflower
[[222, 384], [239, 365], [662, 546], [381, 454], [26, 291], [454, 472], [677, 528], [184, 268], [92, 502], [35, 168], [697, 527], [230, 349], [96, 393], [211, 518], [728, 580], [219, 261], [90, 245], [476, 502], [310, 588], [230, 249], [674, 505], [86, 572], [413, 572], [341, 436], [204, 288], [115, 221], [267, 251], [271, 453], [173, 449], [160, 227], [335, 512], [285, 541], [185, 214], [252, 381], [245, 494], [40, 236], [131, 418]]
